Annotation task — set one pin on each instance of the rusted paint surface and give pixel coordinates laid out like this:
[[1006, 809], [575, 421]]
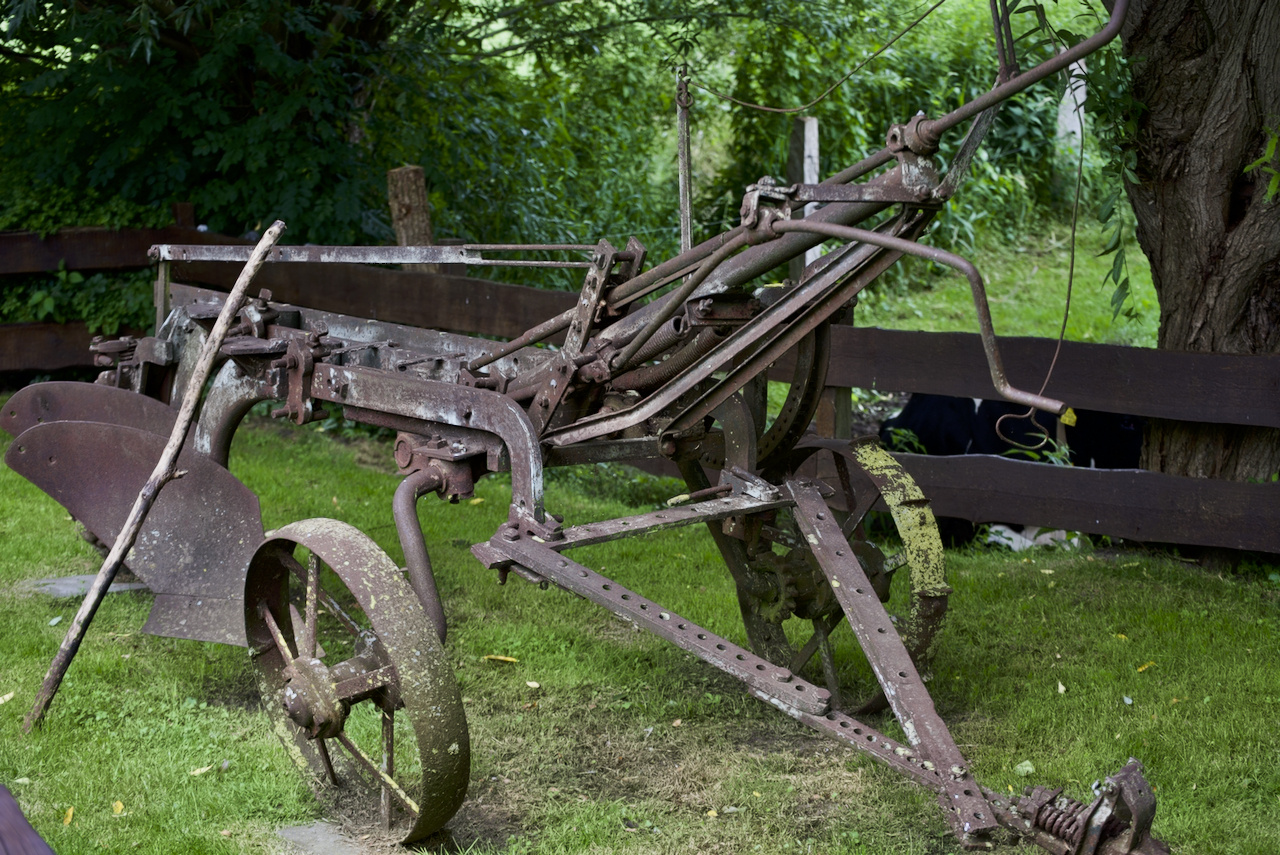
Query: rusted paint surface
[[199, 534], [675, 377], [420, 682], [84, 402]]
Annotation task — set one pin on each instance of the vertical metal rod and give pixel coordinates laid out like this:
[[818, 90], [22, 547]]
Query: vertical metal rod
[[388, 762], [313, 595], [327, 761], [683, 101], [161, 295]]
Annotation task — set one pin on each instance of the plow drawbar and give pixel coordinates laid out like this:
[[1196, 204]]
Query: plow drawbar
[[664, 363]]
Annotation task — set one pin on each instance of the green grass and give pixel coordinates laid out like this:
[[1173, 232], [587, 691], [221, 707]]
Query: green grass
[[1027, 288], [592, 759]]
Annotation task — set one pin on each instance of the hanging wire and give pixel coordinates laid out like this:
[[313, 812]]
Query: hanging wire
[[1030, 414], [833, 87]]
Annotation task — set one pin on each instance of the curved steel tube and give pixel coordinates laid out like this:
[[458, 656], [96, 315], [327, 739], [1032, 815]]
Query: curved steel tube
[[907, 247], [404, 507], [931, 130]]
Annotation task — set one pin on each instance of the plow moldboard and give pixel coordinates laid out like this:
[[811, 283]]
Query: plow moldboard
[[197, 540], [63, 401]]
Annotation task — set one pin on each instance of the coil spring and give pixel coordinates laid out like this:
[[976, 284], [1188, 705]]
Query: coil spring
[[1063, 818]]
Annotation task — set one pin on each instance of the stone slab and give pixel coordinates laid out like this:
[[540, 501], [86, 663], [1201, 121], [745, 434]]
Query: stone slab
[[319, 838], [77, 586]]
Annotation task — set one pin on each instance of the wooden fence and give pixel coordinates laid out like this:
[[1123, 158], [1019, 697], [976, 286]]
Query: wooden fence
[[1148, 506]]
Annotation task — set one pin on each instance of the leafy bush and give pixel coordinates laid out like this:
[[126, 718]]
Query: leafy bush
[[43, 207], [107, 303]]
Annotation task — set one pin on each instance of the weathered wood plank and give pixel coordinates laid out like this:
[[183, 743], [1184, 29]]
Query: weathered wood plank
[[93, 248], [433, 300], [1200, 387], [1128, 503], [44, 347]]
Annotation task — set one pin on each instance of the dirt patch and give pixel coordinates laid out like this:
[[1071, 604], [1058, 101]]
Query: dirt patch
[[371, 454], [476, 825], [232, 690]]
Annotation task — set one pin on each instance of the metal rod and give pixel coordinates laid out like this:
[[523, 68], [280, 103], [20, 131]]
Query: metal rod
[[683, 101], [378, 775], [676, 299], [327, 761], [281, 642], [388, 763], [907, 247], [313, 591], [404, 509], [931, 130], [530, 247]]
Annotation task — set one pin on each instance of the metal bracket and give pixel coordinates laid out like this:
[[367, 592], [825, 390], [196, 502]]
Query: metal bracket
[[299, 367], [584, 315], [765, 194]]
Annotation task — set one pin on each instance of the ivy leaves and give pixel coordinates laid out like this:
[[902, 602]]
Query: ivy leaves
[[1267, 164]]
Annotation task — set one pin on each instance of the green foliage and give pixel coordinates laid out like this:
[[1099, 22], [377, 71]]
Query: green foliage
[[107, 303], [44, 208], [615, 482], [250, 110], [1268, 163], [906, 440], [948, 60], [1049, 451], [1114, 114], [262, 109]]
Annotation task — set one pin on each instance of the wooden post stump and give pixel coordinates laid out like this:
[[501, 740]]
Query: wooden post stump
[[411, 211]]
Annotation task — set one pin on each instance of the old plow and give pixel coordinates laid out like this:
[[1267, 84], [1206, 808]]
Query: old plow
[[666, 363]]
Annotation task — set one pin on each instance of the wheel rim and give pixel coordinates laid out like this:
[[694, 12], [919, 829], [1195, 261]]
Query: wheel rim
[[353, 675], [813, 356], [802, 611]]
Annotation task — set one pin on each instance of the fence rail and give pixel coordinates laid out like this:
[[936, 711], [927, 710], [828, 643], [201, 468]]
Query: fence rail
[[1211, 388]]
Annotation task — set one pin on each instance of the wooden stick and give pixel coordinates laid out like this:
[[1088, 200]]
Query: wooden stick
[[161, 475]]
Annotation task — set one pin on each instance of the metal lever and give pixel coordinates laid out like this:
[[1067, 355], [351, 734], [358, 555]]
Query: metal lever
[[992, 350]]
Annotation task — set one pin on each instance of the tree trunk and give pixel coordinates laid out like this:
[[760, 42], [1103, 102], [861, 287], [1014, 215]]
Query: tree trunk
[[410, 211], [1209, 77]]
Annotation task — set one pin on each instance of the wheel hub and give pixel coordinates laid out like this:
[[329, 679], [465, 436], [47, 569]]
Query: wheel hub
[[310, 699]]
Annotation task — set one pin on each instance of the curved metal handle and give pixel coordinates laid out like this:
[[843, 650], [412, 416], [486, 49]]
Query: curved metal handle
[[932, 253]]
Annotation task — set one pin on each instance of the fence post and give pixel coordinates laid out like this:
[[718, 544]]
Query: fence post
[[835, 410], [410, 211]]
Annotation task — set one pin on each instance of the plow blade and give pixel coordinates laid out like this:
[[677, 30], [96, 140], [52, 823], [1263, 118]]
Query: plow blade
[[198, 538], [85, 402]]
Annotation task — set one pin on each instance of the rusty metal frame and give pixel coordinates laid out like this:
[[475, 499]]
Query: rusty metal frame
[[668, 378]]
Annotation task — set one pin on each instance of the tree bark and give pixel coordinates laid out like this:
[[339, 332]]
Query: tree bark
[[411, 211], [1208, 73]]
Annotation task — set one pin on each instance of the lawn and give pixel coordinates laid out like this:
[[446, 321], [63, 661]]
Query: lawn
[[1027, 288], [1073, 661]]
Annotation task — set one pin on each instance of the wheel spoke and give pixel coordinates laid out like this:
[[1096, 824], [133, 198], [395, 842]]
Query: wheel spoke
[[265, 613], [327, 761], [821, 632], [313, 590], [362, 685], [894, 562], [388, 762], [805, 653], [330, 604], [387, 781]]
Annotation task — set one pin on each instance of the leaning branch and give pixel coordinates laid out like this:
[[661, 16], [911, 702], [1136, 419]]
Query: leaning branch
[[165, 471]]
